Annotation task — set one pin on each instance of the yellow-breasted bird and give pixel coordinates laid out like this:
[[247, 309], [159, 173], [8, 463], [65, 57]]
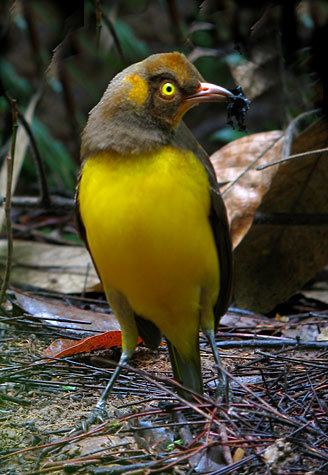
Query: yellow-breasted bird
[[151, 214]]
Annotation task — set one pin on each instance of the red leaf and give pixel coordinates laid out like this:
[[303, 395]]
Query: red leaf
[[65, 347]]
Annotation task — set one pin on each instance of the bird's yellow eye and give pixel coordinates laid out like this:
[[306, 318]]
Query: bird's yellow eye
[[168, 89]]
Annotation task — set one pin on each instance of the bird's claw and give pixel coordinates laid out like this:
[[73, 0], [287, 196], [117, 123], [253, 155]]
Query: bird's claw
[[222, 390], [98, 415]]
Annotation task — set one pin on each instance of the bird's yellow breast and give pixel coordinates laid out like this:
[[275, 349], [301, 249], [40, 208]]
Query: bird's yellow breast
[[147, 227]]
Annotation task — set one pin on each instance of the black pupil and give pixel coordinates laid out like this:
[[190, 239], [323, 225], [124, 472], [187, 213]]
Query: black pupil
[[168, 88]]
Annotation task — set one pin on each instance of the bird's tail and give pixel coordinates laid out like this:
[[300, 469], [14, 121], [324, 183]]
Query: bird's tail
[[188, 373]]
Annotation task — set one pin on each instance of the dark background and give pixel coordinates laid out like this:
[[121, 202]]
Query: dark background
[[70, 50]]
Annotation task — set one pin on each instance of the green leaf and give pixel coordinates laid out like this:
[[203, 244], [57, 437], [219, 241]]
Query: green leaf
[[56, 157], [173, 445], [134, 48], [17, 85]]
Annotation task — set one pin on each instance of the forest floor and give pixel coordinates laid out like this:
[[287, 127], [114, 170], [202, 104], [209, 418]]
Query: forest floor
[[274, 422]]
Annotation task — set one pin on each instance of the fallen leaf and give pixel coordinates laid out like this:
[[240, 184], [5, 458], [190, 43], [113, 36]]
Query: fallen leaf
[[149, 438], [234, 320], [64, 347], [65, 269], [308, 332], [210, 460], [72, 319], [238, 455], [323, 335], [91, 445], [274, 260], [317, 294], [277, 454], [235, 164], [281, 318]]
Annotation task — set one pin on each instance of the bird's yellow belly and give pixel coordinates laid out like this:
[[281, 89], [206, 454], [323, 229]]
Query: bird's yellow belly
[[147, 227]]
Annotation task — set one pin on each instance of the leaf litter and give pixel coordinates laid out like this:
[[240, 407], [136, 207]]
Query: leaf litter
[[278, 214], [276, 395]]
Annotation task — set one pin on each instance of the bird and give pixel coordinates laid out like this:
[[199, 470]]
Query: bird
[[149, 209]]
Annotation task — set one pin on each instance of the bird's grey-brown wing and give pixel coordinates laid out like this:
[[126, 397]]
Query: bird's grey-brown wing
[[218, 218], [148, 331]]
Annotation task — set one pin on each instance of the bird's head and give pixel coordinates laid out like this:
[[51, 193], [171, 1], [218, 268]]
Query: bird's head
[[144, 104]]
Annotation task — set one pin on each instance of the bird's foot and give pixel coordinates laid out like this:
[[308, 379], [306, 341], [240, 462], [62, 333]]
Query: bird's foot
[[98, 415], [222, 390]]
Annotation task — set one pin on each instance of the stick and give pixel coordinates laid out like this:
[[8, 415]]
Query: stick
[[271, 343], [310, 153], [251, 165], [44, 189], [45, 199], [57, 202], [10, 166]]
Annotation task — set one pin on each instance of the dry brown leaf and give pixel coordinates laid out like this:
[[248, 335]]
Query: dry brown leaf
[[234, 320], [317, 294], [308, 332], [238, 455], [239, 159], [274, 261], [66, 269], [91, 445], [277, 454], [73, 319]]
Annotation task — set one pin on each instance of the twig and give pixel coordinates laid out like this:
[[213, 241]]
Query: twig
[[235, 466], [57, 202], [292, 157], [291, 131], [10, 167], [201, 52], [55, 443], [225, 448], [251, 165], [271, 343], [111, 29], [45, 199]]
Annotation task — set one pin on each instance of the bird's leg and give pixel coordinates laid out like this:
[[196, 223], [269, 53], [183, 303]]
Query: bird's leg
[[100, 413], [223, 386], [207, 324], [125, 316]]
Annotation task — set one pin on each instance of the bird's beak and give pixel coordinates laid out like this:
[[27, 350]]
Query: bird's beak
[[209, 93]]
